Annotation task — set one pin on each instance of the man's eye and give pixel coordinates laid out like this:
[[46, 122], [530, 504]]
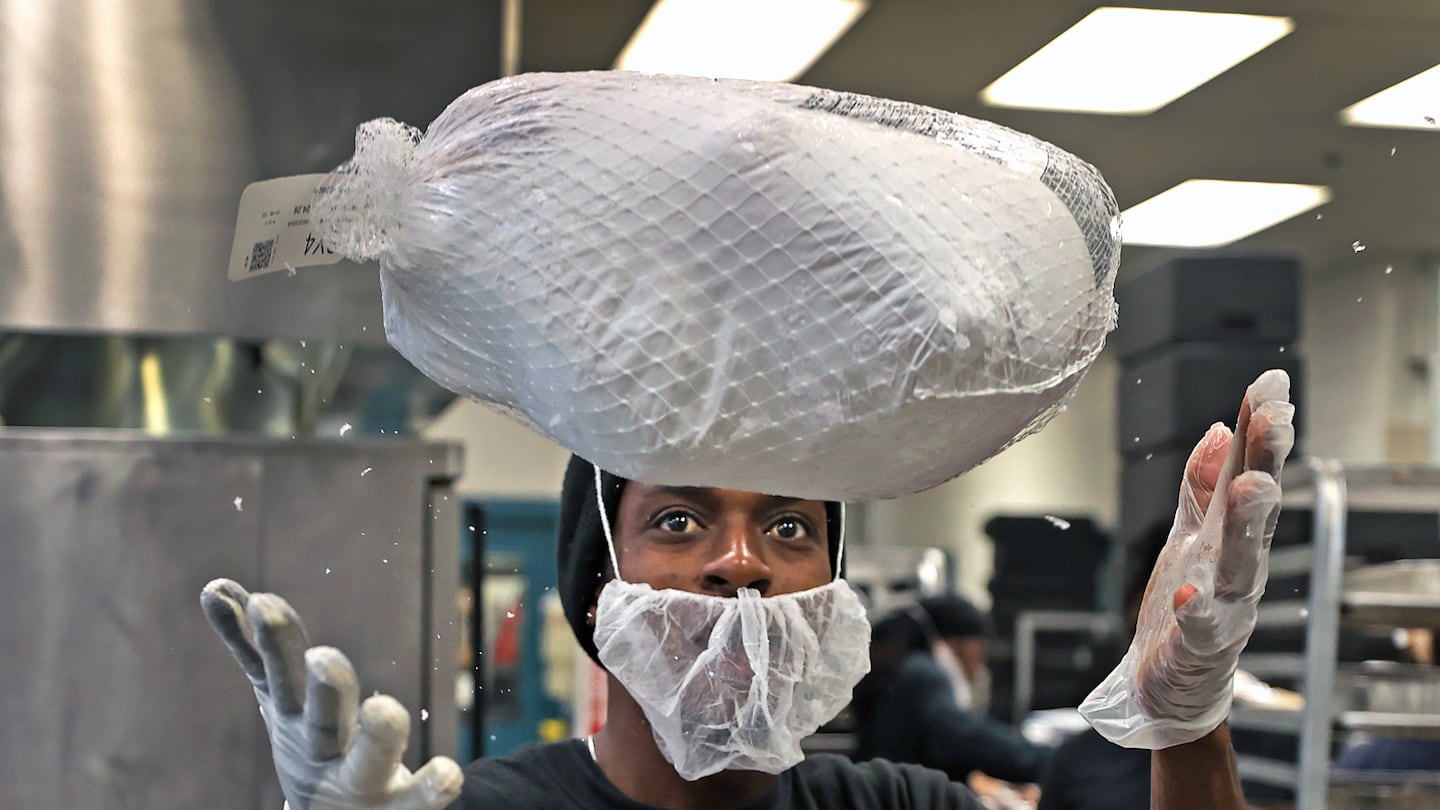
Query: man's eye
[[790, 529], [678, 523]]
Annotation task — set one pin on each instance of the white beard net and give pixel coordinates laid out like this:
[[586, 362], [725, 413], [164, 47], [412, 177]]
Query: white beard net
[[734, 683], [736, 284]]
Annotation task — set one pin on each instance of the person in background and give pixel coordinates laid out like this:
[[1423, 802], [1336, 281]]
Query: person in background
[[1088, 772], [927, 693]]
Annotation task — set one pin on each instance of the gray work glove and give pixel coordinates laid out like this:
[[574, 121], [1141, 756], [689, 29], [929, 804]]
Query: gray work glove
[[330, 754]]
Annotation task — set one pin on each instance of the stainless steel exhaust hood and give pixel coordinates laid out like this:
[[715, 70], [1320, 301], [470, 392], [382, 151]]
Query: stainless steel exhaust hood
[[128, 129]]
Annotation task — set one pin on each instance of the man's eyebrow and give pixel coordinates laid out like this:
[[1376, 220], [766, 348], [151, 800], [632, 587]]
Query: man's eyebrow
[[707, 494], [684, 492], [700, 494]]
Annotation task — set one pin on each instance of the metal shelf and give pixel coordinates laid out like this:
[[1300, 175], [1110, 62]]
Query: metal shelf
[[1267, 666], [1392, 724], [1390, 609], [1266, 771], [1291, 561], [1389, 724], [1331, 493], [1286, 613], [1369, 489], [1273, 720], [1358, 608]]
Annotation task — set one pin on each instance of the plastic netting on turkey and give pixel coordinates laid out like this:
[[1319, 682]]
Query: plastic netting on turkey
[[738, 284]]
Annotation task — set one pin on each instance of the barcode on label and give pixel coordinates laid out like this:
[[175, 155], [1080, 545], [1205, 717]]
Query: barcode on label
[[260, 255]]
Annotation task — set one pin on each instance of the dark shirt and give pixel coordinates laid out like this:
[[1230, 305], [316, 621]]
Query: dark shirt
[[562, 776], [1088, 772], [914, 718]]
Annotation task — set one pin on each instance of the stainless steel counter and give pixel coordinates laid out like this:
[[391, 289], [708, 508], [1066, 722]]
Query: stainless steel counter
[[114, 693]]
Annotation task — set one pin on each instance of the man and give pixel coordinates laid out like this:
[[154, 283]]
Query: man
[[964, 629], [924, 700], [718, 547]]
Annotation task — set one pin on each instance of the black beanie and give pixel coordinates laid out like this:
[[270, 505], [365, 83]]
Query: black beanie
[[956, 617], [582, 557]]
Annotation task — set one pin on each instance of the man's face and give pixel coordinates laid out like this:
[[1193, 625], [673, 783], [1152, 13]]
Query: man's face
[[717, 541], [970, 652]]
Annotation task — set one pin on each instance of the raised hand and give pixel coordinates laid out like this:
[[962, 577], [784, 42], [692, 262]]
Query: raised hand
[[330, 752], [1174, 685]]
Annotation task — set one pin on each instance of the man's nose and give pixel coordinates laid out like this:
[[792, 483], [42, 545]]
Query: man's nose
[[738, 562]]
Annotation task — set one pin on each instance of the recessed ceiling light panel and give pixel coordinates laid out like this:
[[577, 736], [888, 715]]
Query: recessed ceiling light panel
[[1210, 213], [766, 40], [1133, 61]]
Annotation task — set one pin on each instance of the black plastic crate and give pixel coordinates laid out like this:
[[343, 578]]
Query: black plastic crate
[[1175, 395], [1212, 299]]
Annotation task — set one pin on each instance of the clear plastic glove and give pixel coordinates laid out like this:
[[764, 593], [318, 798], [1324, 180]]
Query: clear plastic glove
[[330, 754], [1175, 683]]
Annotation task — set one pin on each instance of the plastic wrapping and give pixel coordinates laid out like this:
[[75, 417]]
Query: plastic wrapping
[[738, 284], [1175, 683], [734, 683]]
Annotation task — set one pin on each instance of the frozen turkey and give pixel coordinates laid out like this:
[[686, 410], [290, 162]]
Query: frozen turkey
[[736, 284]]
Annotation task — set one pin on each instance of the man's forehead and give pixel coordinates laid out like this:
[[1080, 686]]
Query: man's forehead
[[709, 494]]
